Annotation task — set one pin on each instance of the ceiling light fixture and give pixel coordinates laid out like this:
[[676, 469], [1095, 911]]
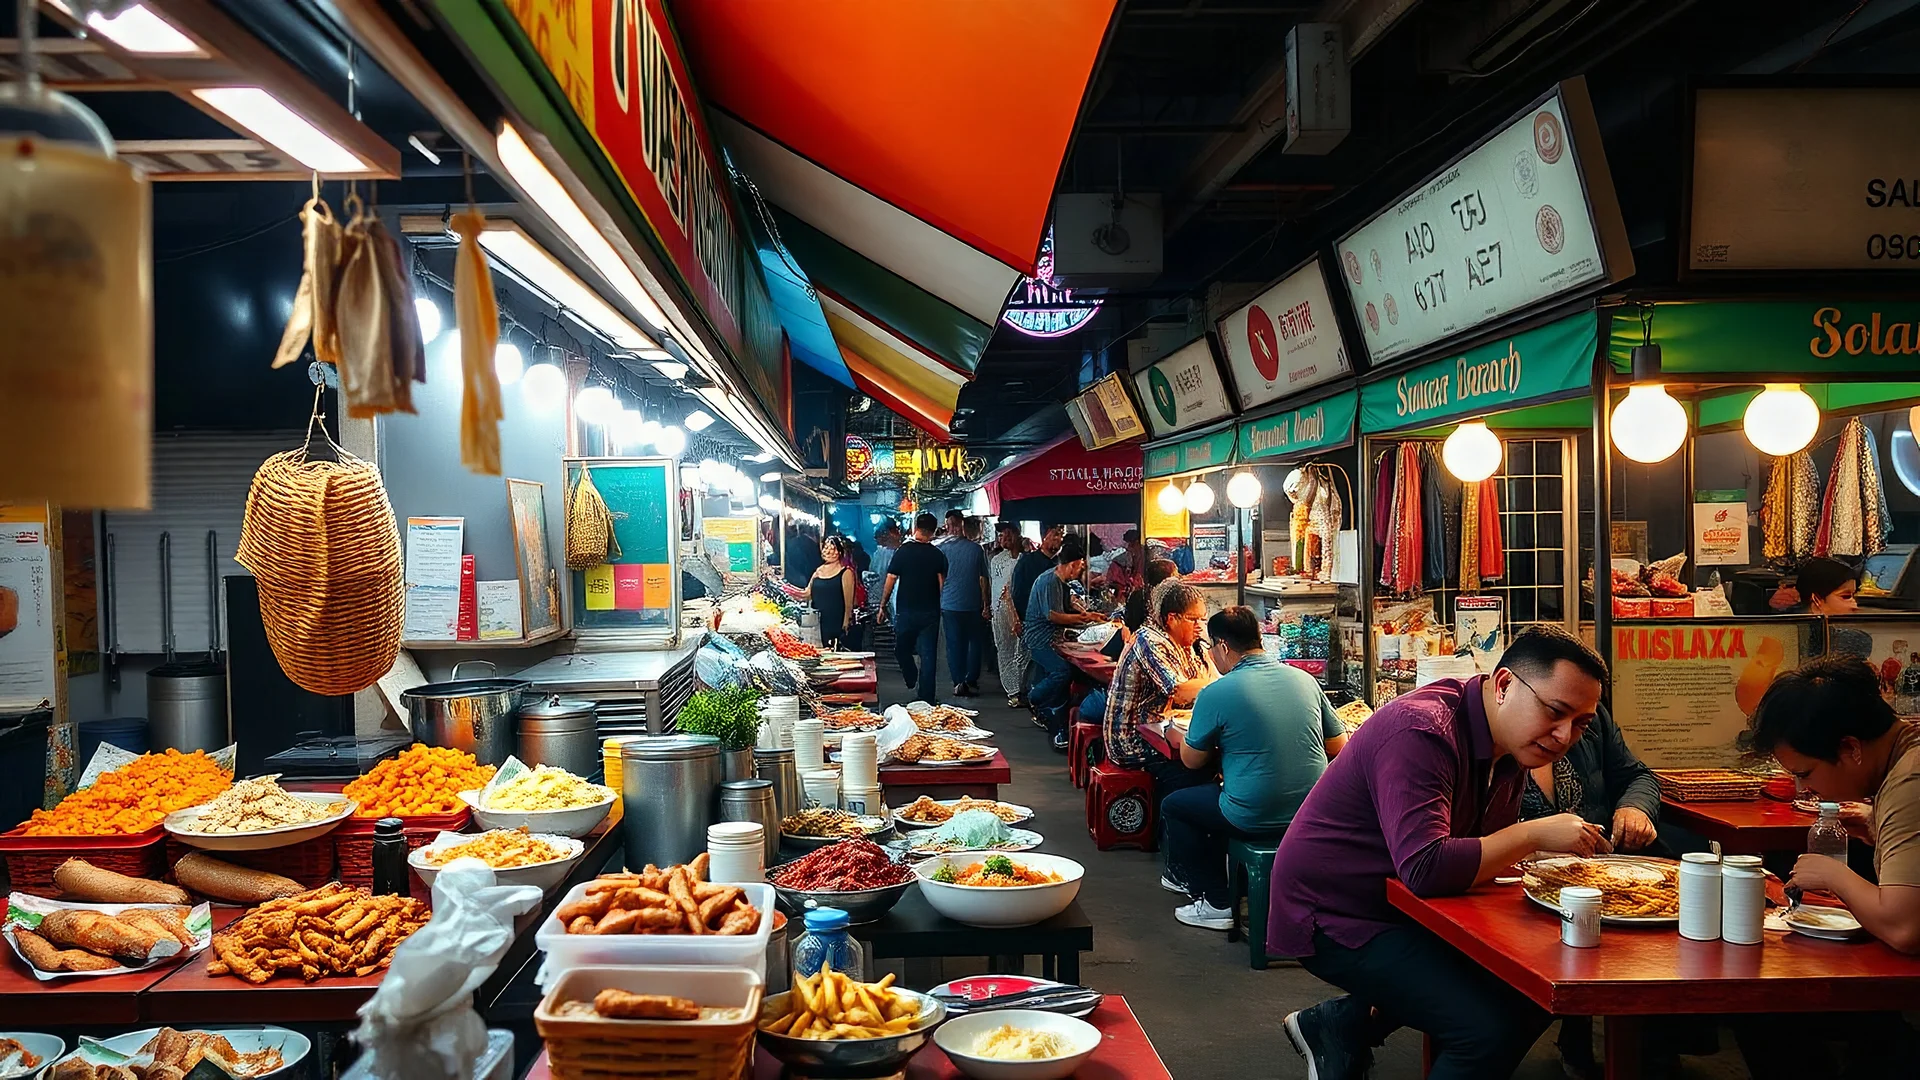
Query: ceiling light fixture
[[508, 363], [543, 386], [699, 420], [1170, 501], [595, 405], [510, 245], [1472, 453], [427, 314], [545, 191], [625, 429], [672, 369], [1648, 425], [272, 122], [139, 30], [671, 441], [1243, 489], [1781, 420], [1199, 497], [414, 141]]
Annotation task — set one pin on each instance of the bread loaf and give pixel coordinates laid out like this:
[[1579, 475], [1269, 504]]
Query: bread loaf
[[219, 880]]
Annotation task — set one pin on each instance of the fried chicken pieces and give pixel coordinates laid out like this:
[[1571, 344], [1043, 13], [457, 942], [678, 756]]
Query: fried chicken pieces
[[332, 930], [677, 900], [175, 1054]]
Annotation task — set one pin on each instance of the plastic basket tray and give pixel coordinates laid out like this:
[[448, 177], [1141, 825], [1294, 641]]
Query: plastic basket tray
[[31, 860], [309, 862], [353, 846], [582, 1046]]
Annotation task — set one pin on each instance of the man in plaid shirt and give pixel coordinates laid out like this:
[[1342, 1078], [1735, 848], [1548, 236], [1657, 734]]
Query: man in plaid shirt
[[1158, 671]]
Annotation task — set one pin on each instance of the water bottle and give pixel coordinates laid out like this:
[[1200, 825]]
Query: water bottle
[[827, 942], [390, 858], [1828, 836]]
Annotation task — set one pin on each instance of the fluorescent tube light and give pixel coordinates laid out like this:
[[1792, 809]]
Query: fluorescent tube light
[[139, 30], [273, 123], [534, 264]]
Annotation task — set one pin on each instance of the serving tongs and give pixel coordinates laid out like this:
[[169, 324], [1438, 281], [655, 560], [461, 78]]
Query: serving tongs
[[1060, 999]]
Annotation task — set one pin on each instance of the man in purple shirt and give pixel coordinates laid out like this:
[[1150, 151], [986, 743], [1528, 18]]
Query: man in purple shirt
[[1428, 791]]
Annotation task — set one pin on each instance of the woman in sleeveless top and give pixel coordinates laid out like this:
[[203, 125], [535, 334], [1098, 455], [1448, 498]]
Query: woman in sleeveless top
[[831, 592]]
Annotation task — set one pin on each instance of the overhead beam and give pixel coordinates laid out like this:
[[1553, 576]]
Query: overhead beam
[[1262, 116]]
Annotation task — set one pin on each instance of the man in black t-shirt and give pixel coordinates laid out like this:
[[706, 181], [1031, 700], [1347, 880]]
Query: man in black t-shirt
[[918, 571]]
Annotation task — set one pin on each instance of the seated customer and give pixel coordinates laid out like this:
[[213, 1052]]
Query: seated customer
[[1428, 791], [1051, 614], [1093, 707], [1157, 672], [1269, 729]]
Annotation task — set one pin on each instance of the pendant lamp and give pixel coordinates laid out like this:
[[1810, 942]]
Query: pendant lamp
[[1648, 425], [1782, 420], [1199, 497], [1170, 500], [1471, 453], [1243, 489]]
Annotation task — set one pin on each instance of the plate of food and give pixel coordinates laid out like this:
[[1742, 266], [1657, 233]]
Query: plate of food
[[930, 750], [1829, 923], [60, 939], [1635, 890], [815, 1032], [246, 1052], [24, 1054], [929, 842], [818, 826], [855, 718], [944, 719], [927, 812], [542, 798], [257, 814], [996, 890], [517, 856]]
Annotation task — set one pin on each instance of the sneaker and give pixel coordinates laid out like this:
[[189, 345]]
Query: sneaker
[[1037, 721], [959, 689], [1014, 702], [1172, 886], [1204, 915], [1332, 1037], [1059, 742]]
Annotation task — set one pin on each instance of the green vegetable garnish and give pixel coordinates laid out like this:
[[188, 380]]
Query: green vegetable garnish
[[946, 874], [999, 865]]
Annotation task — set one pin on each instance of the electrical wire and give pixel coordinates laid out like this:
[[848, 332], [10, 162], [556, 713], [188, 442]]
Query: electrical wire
[[225, 242]]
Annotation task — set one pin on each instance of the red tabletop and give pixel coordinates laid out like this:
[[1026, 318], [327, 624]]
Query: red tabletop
[[1746, 827], [104, 999], [1637, 972], [1125, 1053], [947, 781], [1090, 662], [1164, 737]]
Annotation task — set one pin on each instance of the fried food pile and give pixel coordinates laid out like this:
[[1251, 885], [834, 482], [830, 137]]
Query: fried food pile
[[943, 718], [822, 821], [175, 1054], [547, 787], [927, 812], [1637, 890], [76, 940], [332, 930], [922, 748], [134, 797], [623, 1005], [855, 718], [260, 804], [828, 1005], [677, 900], [15, 1057], [502, 849], [422, 780]]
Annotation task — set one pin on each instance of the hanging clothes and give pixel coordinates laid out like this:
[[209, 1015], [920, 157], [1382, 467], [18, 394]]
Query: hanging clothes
[[1470, 538], [1851, 509], [1323, 522], [1791, 508], [1411, 540], [1774, 514], [1432, 523], [1382, 501], [1493, 548], [1879, 518], [1395, 479]]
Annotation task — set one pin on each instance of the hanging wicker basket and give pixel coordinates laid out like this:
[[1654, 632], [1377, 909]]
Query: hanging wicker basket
[[589, 526], [320, 539]]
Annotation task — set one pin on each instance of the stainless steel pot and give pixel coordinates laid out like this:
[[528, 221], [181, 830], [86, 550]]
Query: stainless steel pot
[[475, 715], [562, 732], [670, 788], [187, 699]]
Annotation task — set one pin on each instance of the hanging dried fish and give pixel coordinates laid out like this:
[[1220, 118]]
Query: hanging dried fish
[[371, 339], [477, 315], [313, 302]]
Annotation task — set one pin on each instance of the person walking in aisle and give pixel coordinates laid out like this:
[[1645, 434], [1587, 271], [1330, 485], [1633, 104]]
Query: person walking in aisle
[[1006, 640], [1026, 571], [919, 572], [963, 605]]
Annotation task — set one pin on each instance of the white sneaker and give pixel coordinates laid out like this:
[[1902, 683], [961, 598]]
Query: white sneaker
[[1172, 886], [1204, 915]]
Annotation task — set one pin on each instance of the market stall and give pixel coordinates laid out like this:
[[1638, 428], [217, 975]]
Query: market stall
[[1092, 492]]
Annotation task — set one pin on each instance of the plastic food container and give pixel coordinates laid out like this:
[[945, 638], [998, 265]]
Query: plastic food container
[[684, 1049], [565, 951]]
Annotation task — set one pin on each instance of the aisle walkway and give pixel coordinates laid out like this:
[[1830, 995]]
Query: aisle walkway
[[1210, 1015]]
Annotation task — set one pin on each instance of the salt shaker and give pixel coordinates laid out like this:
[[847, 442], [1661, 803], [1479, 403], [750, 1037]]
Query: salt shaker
[[1580, 916], [1743, 904], [1700, 896]]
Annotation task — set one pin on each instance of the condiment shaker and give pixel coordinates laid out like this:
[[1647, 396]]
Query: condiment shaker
[[1580, 916], [390, 857], [1743, 904], [1700, 896]]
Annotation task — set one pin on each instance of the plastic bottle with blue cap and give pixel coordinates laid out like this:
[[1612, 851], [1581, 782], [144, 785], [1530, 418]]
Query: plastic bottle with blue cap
[[827, 943]]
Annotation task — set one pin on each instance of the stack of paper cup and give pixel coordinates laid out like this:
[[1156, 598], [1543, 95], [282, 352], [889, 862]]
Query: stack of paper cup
[[809, 745], [822, 786], [737, 851], [860, 759], [1700, 896], [1580, 916], [778, 714], [1743, 903], [863, 800]]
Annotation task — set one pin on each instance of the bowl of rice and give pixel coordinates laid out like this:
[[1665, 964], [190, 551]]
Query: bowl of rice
[[1017, 1044]]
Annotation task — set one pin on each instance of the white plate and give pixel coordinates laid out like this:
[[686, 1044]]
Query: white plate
[[253, 1038], [988, 987], [180, 823], [1643, 861], [573, 821], [1026, 814], [1829, 923], [1023, 840], [541, 875], [48, 1048]]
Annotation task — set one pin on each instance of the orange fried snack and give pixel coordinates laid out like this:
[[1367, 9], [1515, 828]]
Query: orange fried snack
[[332, 930], [134, 797], [677, 900], [421, 780], [623, 1005]]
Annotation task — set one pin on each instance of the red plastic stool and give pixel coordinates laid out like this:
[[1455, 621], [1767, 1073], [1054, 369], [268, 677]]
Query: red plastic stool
[[1086, 747], [1120, 808]]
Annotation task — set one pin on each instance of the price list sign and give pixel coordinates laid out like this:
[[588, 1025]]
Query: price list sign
[[1518, 220]]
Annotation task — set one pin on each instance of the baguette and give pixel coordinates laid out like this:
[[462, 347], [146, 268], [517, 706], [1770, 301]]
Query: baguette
[[76, 928], [161, 922], [42, 954], [79, 879], [219, 880]]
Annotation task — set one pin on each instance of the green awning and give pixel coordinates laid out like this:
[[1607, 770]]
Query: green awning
[[1293, 432], [1546, 363], [1188, 455], [1781, 337], [1834, 399]]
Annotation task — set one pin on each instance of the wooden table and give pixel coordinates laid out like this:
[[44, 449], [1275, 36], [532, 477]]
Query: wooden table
[[1091, 663], [901, 784], [864, 684], [912, 929], [1748, 827], [1654, 971], [1164, 736], [1125, 1053]]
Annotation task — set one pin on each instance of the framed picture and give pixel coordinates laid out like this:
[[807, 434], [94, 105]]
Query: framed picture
[[533, 559], [633, 599]]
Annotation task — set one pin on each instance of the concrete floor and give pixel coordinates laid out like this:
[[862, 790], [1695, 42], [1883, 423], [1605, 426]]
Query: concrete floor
[[1208, 1013]]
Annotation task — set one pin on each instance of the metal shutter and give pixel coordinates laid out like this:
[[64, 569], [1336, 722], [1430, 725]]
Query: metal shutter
[[200, 483]]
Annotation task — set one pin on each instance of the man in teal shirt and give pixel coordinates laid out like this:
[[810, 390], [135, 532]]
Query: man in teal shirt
[[1269, 729]]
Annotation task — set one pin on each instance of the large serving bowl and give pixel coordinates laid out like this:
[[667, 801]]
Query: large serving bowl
[[48, 1048], [577, 821], [957, 1037], [861, 905], [850, 1057], [543, 876], [1000, 906], [184, 825]]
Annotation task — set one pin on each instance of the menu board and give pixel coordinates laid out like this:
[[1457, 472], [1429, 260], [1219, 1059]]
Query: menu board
[[1517, 220], [27, 650], [635, 594], [1183, 390], [1683, 690], [1108, 414], [1285, 340]]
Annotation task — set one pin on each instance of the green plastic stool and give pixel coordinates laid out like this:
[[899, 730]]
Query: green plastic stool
[[1249, 865]]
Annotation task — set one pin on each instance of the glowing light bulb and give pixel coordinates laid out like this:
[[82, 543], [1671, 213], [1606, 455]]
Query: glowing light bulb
[[543, 386], [1471, 453], [1199, 497], [1243, 489], [1170, 500], [1782, 420], [595, 405], [508, 363], [671, 441], [1648, 425], [427, 314]]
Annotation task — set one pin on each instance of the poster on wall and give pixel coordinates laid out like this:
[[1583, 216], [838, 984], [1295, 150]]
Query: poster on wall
[[636, 593], [1683, 691], [539, 597], [27, 654], [1720, 527], [1476, 627], [1892, 649], [730, 543], [433, 578]]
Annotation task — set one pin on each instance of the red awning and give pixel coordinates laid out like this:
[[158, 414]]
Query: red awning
[[1067, 468]]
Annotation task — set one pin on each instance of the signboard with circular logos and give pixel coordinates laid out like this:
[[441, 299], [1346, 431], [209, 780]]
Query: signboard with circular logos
[[1286, 340], [1183, 390]]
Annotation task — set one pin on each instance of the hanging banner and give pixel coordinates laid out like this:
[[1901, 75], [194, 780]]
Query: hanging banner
[[1805, 178], [1526, 216], [1683, 690], [1302, 430], [1206, 452], [1534, 364], [1109, 414], [1068, 469], [1285, 340], [1787, 336], [1720, 527], [1183, 391]]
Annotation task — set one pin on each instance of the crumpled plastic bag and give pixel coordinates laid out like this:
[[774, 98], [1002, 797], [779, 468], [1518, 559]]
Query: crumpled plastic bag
[[420, 1024], [1098, 633]]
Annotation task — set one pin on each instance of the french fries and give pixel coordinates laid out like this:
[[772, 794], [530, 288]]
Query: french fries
[[677, 900], [829, 1005]]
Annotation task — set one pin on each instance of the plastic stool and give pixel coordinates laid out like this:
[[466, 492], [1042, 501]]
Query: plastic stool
[[1249, 868], [1120, 808], [1086, 747]]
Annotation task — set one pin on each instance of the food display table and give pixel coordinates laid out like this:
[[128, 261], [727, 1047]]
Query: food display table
[[914, 930], [1091, 663], [1748, 827], [1654, 971], [901, 784], [863, 684], [1125, 1053]]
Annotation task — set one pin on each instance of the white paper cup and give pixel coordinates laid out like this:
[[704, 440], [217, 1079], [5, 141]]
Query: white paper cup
[[1700, 896], [809, 745], [863, 799], [1743, 904], [823, 787], [737, 852]]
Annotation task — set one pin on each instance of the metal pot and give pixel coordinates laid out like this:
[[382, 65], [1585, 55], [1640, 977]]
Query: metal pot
[[670, 787], [562, 732], [475, 715], [187, 706], [737, 764]]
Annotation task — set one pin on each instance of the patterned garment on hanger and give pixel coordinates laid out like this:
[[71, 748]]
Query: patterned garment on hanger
[[1878, 518], [1383, 503], [1323, 521], [1432, 524], [1803, 504], [1843, 517], [1390, 551], [1493, 548], [1407, 557], [1470, 538]]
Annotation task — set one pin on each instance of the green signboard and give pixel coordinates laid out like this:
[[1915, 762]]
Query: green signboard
[[1806, 337], [1298, 431], [1205, 452], [1530, 366]]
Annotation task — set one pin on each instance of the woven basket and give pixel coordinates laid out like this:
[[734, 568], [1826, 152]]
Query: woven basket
[[589, 526], [1709, 785], [320, 538]]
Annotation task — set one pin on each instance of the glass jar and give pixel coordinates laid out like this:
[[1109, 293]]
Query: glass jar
[[827, 943]]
